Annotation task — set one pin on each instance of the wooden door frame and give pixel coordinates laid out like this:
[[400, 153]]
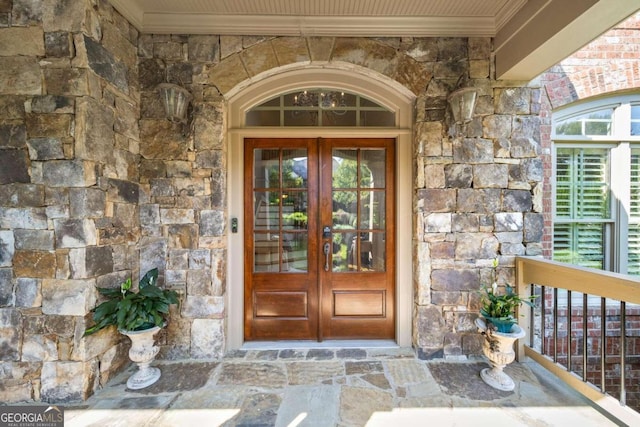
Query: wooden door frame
[[382, 90]]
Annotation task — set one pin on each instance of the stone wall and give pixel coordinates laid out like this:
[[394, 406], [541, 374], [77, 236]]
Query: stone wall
[[69, 193], [98, 186], [478, 198], [183, 172]]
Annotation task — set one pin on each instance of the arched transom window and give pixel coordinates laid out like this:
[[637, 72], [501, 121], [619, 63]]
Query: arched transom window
[[321, 108]]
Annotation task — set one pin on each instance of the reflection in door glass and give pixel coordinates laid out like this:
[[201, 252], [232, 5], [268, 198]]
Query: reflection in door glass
[[294, 168], [294, 247], [372, 168], [266, 168], [375, 243], [294, 210], [372, 209], [280, 210], [345, 209], [340, 251], [345, 168], [359, 207], [266, 209]]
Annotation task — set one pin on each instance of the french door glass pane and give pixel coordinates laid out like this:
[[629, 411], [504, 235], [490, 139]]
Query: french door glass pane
[[280, 210], [341, 255], [345, 168], [372, 210], [359, 204], [266, 209], [345, 209], [372, 170], [295, 252], [294, 168], [294, 210], [266, 172]]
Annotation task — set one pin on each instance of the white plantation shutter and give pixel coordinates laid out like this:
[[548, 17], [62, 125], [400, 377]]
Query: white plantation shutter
[[633, 262], [582, 206]]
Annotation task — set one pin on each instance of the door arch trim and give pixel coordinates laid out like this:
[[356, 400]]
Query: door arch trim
[[378, 88]]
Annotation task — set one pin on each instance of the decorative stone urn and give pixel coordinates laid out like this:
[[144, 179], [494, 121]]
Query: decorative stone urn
[[498, 347], [143, 351]]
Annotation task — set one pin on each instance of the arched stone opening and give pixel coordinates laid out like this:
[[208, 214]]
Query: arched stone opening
[[338, 76]]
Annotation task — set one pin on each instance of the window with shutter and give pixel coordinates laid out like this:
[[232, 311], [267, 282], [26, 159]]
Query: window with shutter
[[597, 214]]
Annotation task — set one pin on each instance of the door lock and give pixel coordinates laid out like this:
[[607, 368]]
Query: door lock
[[326, 232]]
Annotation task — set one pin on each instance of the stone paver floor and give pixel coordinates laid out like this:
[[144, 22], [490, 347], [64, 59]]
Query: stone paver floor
[[327, 387]]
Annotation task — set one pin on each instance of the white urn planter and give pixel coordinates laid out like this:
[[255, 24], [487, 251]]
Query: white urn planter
[[142, 352], [498, 347]]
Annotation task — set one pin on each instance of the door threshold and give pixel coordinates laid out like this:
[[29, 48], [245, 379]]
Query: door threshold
[[302, 344]]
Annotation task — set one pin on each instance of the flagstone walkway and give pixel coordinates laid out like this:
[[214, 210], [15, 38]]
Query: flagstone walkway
[[334, 387]]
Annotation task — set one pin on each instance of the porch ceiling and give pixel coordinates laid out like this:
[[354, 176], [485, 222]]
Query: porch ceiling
[[529, 35]]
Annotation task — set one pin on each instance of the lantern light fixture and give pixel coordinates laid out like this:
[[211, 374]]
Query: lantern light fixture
[[463, 102], [175, 100]]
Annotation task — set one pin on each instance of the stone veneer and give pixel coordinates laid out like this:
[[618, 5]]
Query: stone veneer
[[92, 195]]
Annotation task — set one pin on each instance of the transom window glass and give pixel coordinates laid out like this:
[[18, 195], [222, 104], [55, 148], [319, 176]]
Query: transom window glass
[[591, 123], [597, 185], [320, 108]]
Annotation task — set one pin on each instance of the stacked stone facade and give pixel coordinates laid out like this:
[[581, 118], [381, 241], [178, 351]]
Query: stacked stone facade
[[97, 186], [69, 191]]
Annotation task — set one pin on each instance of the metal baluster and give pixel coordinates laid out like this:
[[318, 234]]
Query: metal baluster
[[543, 348], [623, 351], [555, 325], [585, 334], [532, 316], [569, 308], [603, 343]]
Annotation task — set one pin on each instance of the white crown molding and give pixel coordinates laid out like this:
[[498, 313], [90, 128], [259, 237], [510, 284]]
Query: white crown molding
[[130, 10], [163, 23], [505, 14]]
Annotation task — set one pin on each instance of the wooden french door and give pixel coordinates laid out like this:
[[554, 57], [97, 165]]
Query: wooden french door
[[319, 239]]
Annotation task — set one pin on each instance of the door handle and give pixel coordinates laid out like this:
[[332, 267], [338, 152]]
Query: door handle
[[326, 249]]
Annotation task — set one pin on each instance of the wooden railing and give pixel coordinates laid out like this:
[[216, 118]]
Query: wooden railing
[[585, 329]]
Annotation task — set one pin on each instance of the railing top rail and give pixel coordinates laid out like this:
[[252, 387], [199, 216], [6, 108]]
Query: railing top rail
[[606, 284]]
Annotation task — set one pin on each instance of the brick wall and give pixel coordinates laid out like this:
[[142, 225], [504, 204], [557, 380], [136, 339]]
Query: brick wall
[[595, 341]]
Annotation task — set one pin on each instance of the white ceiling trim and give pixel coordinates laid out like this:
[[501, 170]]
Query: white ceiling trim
[[165, 23], [506, 13], [130, 10]]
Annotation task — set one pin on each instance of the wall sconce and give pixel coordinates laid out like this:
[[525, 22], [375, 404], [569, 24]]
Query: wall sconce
[[175, 100], [462, 102]]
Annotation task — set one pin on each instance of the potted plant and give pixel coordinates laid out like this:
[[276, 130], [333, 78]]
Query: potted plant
[[498, 307], [500, 330], [138, 315]]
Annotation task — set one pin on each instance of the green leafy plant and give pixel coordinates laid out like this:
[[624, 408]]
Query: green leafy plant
[[502, 304], [498, 303], [133, 311]]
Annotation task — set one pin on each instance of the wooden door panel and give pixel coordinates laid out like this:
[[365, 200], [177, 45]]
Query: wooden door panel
[[359, 303], [280, 304]]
